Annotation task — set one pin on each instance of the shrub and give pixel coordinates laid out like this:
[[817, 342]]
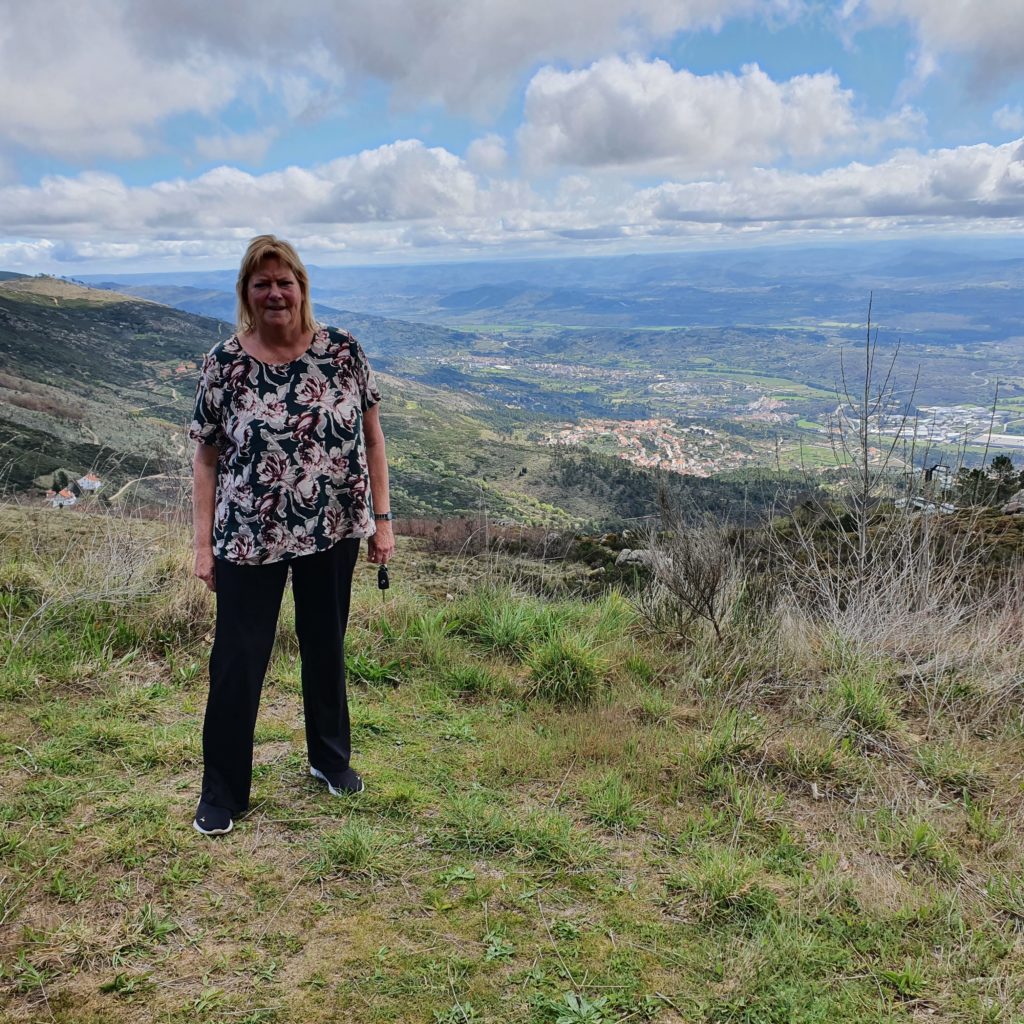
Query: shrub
[[463, 536], [698, 574]]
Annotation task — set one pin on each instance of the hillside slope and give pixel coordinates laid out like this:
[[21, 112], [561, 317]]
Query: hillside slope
[[91, 380]]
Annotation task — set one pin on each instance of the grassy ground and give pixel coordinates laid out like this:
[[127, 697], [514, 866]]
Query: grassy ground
[[567, 819]]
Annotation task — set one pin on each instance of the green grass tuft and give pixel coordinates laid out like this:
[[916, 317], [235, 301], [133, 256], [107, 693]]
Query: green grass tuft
[[950, 768], [353, 848], [476, 824], [362, 668], [723, 885], [565, 670], [866, 703], [472, 680], [504, 624], [610, 800]]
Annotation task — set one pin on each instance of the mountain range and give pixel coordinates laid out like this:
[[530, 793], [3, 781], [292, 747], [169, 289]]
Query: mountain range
[[954, 308]]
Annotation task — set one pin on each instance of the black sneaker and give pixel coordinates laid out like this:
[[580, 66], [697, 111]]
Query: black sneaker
[[212, 821], [339, 783]]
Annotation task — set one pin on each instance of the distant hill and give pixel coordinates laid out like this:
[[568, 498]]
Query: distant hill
[[780, 313], [210, 302], [386, 339], [914, 282], [55, 331]]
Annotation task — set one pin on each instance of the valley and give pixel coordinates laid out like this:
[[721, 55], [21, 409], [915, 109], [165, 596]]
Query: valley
[[640, 370]]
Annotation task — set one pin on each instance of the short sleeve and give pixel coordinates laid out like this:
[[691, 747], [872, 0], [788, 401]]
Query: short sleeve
[[206, 427], [369, 392]]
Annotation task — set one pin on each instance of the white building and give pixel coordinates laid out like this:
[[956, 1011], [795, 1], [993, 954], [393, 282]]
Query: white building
[[62, 499]]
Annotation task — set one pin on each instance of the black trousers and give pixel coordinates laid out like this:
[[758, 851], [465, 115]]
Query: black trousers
[[248, 603]]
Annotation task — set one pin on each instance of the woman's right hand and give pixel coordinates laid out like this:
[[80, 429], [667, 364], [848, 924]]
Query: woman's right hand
[[204, 567]]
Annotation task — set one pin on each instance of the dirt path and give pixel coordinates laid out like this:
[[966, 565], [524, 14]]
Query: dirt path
[[138, 480]]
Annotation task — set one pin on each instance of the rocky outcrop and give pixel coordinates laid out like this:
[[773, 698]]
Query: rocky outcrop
[[628, 556]]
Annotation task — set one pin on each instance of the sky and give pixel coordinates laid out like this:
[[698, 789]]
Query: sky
[[162, 134]]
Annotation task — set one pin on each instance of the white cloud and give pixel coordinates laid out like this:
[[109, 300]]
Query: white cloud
[[16, 253], [98, 78], [235, 147], [402, 181], [73, 83], [464, 55], [645, 114], [971, 183], [406, 197], [487, 154], [987, 31], [1009, 119]]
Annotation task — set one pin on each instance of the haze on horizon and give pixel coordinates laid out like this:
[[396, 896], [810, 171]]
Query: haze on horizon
[[160, 137]]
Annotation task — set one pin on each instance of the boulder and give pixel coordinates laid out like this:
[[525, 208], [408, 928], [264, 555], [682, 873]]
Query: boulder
[[1015, 505], [628, 556]]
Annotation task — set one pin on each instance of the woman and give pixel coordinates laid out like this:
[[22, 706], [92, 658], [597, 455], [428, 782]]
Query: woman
[[290, 471]]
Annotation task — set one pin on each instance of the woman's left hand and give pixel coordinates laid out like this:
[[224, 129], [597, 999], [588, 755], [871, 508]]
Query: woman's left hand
[[381, 546]]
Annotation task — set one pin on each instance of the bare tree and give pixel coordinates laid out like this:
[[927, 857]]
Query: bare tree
[[869, 418]]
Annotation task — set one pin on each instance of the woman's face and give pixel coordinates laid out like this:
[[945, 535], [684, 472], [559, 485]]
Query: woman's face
[[275, 297]]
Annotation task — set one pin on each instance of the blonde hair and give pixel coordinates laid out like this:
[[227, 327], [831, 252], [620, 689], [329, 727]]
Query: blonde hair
[[268, 247]]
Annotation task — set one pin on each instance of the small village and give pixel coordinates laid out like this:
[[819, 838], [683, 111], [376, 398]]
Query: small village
[[655, 444]]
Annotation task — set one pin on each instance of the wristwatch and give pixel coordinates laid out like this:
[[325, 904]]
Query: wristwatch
[[383, 517]]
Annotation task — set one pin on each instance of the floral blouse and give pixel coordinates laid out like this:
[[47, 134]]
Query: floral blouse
[[291, 471]]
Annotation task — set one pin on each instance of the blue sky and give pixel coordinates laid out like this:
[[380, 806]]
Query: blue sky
[[146, 135]]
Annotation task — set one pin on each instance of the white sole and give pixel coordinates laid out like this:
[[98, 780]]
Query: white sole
[[317, 774], [212, 831]]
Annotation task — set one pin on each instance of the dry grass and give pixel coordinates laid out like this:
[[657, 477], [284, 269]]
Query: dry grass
[[467, 537]]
